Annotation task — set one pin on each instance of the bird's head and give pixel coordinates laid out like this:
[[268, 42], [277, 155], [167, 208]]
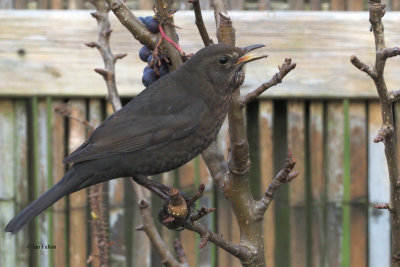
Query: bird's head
[[223, 65]]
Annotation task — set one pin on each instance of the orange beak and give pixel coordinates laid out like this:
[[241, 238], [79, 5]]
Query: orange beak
[[245, 58]]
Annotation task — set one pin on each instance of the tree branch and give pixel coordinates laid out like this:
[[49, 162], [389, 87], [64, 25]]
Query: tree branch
[[241, 252], [363, 67], [103, 45], [386, 134], [149, 227], [200, 22], [283, 176], [286, 67], [132, 23]]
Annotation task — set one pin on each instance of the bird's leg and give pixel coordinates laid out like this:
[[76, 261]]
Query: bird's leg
[[157, 188]]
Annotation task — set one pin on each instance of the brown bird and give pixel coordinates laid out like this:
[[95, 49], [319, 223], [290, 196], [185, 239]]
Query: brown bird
[[165, 126]]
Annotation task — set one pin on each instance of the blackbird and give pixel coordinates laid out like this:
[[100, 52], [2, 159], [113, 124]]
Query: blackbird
[[165, 126]]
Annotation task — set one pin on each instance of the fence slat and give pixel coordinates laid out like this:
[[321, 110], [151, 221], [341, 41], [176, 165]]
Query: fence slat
[[315, 4], [95, 118], [78, 220], [358, 184], [296, 4], [355, 5], [44, 227], [59, 208], [378, 192], [116, 198], [297, 188], [338, 5], [334, 181], [317, 182], [21, 175], [7, 192], [266, 115]]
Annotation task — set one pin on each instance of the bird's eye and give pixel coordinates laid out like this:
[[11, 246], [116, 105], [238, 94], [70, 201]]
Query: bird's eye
[[223, 60]]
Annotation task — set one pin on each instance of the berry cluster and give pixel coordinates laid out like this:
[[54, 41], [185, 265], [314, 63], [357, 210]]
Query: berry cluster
[[156, 63]]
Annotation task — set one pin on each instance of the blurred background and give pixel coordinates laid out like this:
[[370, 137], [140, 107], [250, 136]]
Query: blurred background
[[326, 111]]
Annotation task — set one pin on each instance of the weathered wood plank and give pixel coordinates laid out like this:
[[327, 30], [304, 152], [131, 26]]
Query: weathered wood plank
[[338, 5], [378, 192], [358, 184], [59, 208], [266, 115], [21, 175], [7, 188], [117, 216], [43, 180], [317, 181], [296, 4], [355, 5], [334, 181], [55, 53], [297, 188], [95, 118], [78, 220]]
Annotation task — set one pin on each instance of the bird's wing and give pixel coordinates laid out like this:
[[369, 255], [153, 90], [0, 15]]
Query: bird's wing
[[154, 126]]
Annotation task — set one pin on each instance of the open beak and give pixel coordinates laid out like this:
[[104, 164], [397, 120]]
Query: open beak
[[245, 58]]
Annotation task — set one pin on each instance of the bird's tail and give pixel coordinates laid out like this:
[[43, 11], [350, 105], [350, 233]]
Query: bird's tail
[[64, 187]]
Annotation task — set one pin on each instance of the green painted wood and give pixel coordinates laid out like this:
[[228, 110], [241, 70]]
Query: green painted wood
[[345, 242], [21, 175], [7, 188]]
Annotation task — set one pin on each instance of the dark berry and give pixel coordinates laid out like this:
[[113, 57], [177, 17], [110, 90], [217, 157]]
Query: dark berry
[[177, 37], [163, 70], [142, 19], [144, 53], [151, 24], [146, 68], [148, 77]]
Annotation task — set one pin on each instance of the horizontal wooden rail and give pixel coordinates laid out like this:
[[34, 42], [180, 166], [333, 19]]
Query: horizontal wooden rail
[[42, 52]]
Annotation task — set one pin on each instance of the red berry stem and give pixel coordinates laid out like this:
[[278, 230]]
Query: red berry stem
[[169, 40]]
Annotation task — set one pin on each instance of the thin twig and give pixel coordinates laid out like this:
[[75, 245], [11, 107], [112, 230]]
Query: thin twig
[[282, 177], [286, 67], [386, 134], [103, 45], [180, 253], [363, 67], [200, 22], [150, 229], [243, 253]]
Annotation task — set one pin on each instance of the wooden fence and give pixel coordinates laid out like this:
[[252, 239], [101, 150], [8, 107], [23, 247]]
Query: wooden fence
[[335, 5], [326, 111]]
